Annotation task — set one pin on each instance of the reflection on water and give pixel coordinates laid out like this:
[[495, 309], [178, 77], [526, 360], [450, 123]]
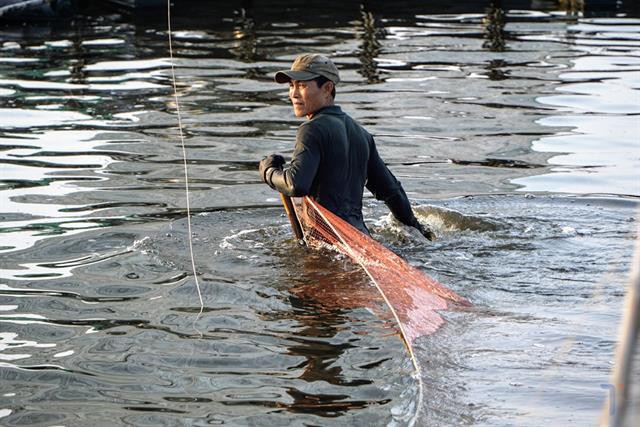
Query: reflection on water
[[475, 107], [245, 34], [599, 104], [370, 33], [494, 27], [572, 7]]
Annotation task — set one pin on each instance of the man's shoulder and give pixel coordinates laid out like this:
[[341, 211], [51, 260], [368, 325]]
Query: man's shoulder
[[309, 126], [320, 123], [310, 132], [325, 125]]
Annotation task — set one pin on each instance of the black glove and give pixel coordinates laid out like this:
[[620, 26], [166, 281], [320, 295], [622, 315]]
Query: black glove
[[272, 161], [425, 231]]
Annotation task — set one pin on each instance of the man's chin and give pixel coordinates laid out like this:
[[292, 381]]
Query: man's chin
[[299, 113]]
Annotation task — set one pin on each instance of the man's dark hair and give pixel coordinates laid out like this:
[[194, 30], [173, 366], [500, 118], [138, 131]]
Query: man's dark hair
[[321, 80]]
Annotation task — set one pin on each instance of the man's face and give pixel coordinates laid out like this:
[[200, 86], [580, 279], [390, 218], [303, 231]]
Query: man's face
[[307, 97]]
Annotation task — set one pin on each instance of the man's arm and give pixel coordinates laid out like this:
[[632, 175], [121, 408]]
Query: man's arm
[[385, 187], [297, 179]]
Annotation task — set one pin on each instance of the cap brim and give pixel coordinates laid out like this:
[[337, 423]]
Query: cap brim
[[287, 75]]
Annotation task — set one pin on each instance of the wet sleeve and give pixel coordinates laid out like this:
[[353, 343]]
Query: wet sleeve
[[297, 179], [385, 187]]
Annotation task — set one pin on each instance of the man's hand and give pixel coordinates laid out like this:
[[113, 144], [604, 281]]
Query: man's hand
[[425, 231], [273, 161]]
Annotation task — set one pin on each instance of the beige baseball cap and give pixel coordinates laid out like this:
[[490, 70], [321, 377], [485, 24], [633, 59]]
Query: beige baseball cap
[[308, 67]]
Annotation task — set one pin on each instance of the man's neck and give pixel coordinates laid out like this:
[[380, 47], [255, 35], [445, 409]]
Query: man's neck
[[329, 104]]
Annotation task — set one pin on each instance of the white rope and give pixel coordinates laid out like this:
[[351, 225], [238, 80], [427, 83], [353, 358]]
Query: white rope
[[184, 158]]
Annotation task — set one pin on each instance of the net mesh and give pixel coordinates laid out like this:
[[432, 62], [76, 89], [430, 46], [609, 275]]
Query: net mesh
[[414, 297]]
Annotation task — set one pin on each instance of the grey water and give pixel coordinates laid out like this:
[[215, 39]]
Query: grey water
[[514, 130]]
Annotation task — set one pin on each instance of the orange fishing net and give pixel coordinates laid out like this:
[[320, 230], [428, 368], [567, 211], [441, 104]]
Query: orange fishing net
[[413, 297]]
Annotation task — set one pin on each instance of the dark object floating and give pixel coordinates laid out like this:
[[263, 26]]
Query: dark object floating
[[137, 3], [45, 10], [35, 9], [497, 163]]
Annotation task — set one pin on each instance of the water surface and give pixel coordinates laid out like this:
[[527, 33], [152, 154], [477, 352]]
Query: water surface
[[520, 147]]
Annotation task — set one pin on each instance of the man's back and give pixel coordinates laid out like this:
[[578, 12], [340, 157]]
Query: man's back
[[344, 149]]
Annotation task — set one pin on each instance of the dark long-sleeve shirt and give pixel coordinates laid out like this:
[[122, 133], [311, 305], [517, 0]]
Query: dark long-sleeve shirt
[[333, 160]]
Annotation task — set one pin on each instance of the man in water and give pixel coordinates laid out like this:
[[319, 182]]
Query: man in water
[[334, 157]]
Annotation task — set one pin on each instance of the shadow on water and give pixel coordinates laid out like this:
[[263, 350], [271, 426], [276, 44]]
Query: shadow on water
[[322, 301]]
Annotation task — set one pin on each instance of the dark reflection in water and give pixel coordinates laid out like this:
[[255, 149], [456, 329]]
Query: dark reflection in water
[[370, 32], [321, 303], [245, 34], [78, 73], [495, 70], [494, 27], [573, 7]]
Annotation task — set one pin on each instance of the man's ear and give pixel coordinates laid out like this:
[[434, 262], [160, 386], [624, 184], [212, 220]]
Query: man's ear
[[328, 87]]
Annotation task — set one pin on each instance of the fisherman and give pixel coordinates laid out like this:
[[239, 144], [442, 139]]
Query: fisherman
[[334, 157]]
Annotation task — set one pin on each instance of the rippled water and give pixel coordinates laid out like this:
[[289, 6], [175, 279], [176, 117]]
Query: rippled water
[[525, 161]]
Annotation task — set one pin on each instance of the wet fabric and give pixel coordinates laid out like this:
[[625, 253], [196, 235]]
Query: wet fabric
[[333, 160]]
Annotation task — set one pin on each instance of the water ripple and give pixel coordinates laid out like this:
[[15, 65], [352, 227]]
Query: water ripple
[[99, 309]]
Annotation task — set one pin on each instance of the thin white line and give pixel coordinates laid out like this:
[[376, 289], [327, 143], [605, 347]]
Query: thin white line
[[184, 159]]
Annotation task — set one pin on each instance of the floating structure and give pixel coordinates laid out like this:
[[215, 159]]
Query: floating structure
[[35, 9], [45, 10]]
